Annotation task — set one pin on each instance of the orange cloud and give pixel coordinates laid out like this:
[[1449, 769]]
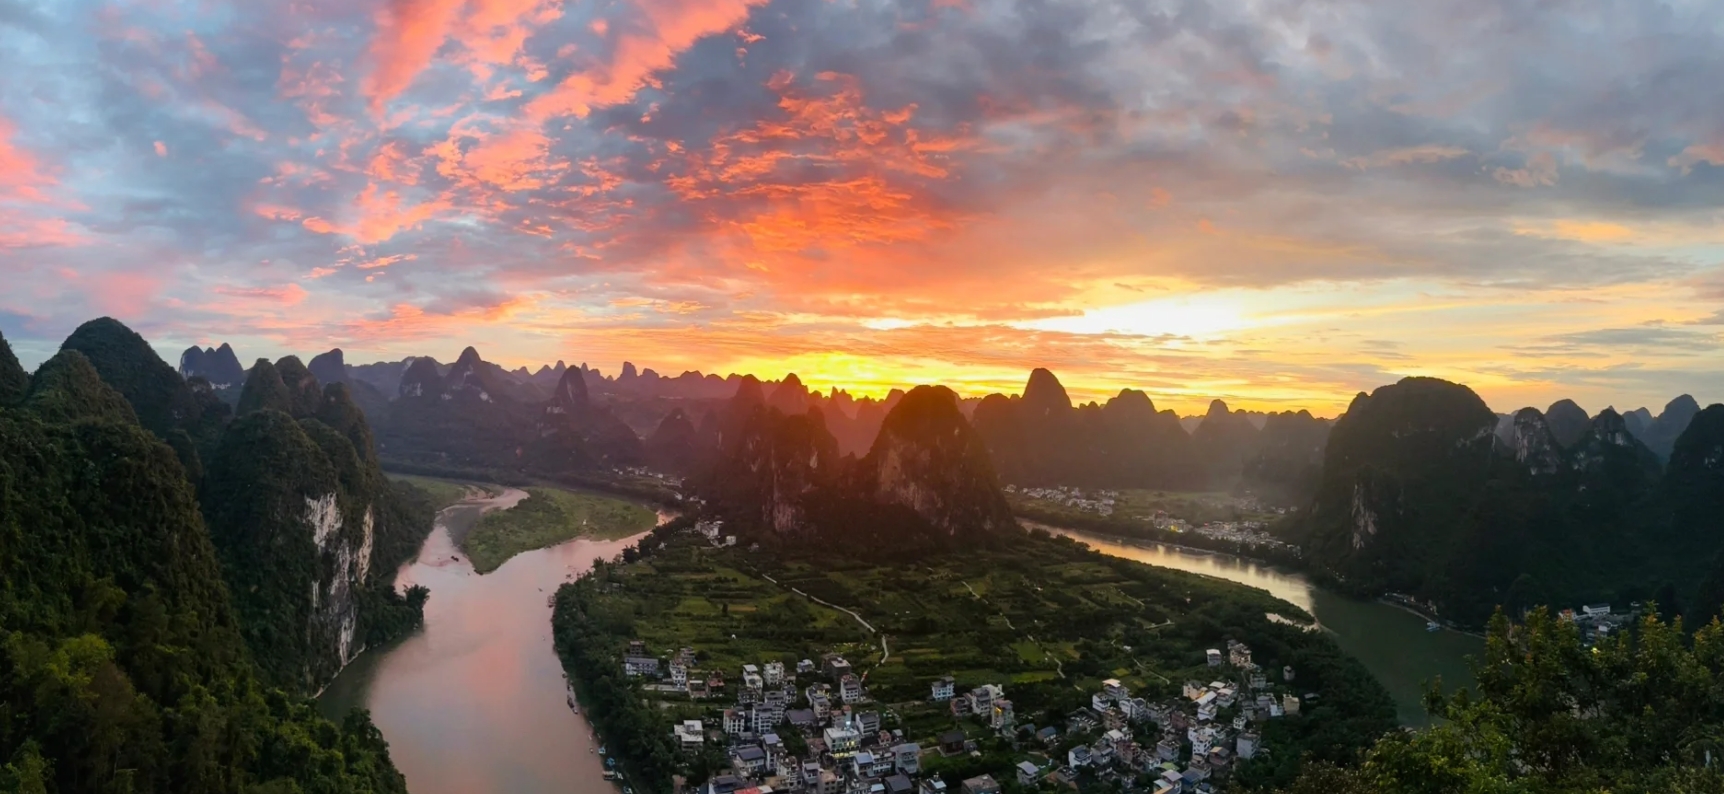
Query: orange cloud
[[668, 28]]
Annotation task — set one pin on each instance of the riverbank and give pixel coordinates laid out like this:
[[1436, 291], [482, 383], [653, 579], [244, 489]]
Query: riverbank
[[1390, 642], [547, 517]]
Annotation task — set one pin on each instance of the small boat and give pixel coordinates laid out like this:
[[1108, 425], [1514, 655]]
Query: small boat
[[609, 775], [1431, 625]]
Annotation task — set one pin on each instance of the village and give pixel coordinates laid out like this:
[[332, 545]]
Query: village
[[812, 727], [1118, 505]]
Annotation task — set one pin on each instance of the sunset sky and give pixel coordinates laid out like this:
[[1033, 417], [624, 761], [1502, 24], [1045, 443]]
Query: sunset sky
[[1275, 202]]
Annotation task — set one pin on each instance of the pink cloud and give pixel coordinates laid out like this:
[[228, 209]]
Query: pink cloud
[[286, 295], [668, 28]]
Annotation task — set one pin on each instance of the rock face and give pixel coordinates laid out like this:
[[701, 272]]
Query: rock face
[[290, 534], [790, 397], [928, 459], [1422, 494], [1224, 442], [1660, 433], [217, 365], [1288, 461], [1567, 421], [676, 445], [1403, 470], [772, 466], [1533, 444], [330, 367]]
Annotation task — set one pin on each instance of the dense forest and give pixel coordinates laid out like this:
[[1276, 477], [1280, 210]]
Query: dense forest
[[122, 663], [1640, 711]]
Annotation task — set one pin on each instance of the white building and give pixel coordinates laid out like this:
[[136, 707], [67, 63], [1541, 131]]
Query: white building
[[943, 689]]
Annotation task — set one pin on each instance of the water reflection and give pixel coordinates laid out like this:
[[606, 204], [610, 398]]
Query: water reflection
[[1392, 643], [475, 701]]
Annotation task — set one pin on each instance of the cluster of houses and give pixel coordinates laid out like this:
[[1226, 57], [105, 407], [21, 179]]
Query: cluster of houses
[[1249, 533], [1597, 621], [713, 530], [1101, 502], [811, 731], [1184, 745]]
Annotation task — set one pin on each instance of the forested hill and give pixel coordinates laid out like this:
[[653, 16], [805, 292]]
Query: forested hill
[[122, 666], [307, 530], [1424, 492]]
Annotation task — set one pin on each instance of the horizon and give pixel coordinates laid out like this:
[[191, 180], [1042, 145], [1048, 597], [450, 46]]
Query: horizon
[[1252, 204], [1077, 393]]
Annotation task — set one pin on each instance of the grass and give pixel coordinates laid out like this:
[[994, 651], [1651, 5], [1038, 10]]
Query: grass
[[443, 492], [549, 516]]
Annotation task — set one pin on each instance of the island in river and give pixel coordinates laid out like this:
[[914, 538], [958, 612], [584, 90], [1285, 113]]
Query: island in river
[[475, 701]]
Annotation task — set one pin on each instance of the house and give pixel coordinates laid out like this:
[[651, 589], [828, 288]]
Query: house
[[751, 679], [1289, 705], [1246, 745], [697, 688], [982, 698], [724, 784], [899, 784], [1258, 680], [805, 666], [1002, 716], [1048, 736], [774, 674], [943, 689], [836, 667], [735, 721], [1193, 689], [868, 721], [640, 665], [1114, 689], [1100, 701], [983, 784], [748, 760], [679, 673], [1078, 756], [1238, 654], [907, 758], [850, 688], [1214, 655], [933, 785], [960, 707], [868, 765], [1287, 673], [842, 742], [801, 719], [689, 735], [952, 742], [1595, 610], [1163, 787], [1028, 773]]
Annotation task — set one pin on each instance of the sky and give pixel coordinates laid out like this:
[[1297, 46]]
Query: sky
[[1276, 202]]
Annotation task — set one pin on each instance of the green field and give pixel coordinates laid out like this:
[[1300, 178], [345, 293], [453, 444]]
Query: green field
[[549, 516], [442, 492]]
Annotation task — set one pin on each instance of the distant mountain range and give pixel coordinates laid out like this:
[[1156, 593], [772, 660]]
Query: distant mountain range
[[1038, 438]]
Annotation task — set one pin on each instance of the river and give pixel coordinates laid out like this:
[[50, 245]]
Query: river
[[475, 701], [1391, 642]]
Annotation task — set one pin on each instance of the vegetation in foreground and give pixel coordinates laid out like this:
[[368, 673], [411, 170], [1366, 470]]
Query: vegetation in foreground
[[1044, 617], [549, 516], [122, 666], [1641, 711]]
